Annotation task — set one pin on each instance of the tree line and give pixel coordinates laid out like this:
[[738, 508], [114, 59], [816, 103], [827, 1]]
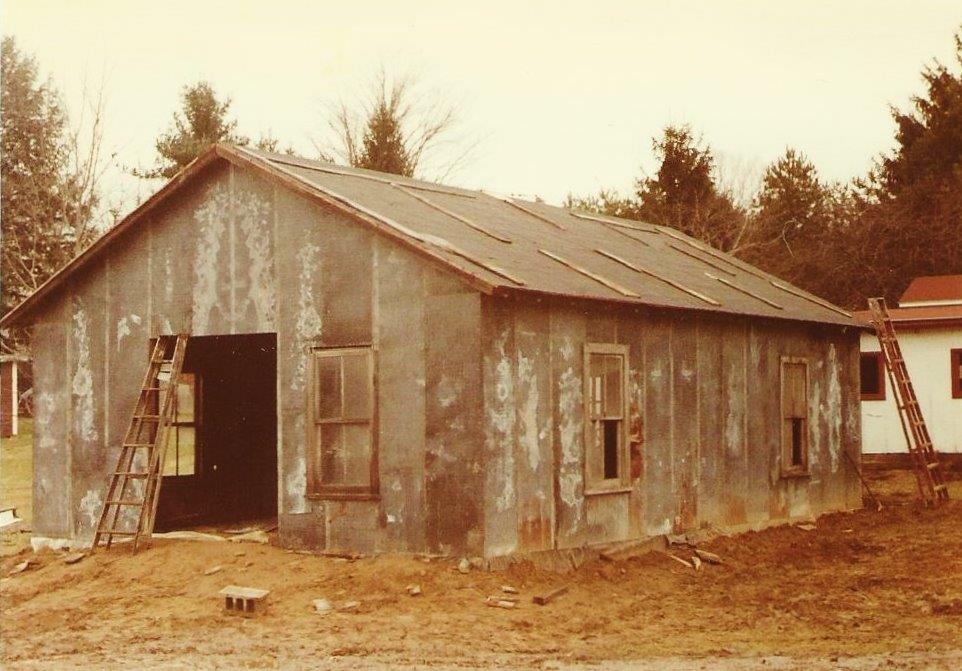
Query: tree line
[[844, 241]]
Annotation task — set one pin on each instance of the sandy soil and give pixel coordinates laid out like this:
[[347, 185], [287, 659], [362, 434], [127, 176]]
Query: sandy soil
[[865, 590]]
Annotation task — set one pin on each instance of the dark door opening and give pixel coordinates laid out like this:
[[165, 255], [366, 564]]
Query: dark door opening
[[221, 461]]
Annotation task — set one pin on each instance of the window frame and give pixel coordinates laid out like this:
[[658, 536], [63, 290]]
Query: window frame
[[787, 469], [882, 375], [955, 363], [621, 484], [173, 428], [316, 489]]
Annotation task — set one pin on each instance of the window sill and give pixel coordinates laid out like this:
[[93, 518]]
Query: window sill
[[795, 475], [872, 397], [612, 490]]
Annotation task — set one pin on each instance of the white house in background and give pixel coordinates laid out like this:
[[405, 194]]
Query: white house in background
[[928, 323]]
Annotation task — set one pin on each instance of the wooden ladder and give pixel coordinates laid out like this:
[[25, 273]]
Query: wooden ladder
[[147, 436], [928, 470]]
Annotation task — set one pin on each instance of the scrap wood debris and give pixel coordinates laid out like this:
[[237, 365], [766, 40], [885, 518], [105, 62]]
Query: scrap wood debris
[[548, 597]]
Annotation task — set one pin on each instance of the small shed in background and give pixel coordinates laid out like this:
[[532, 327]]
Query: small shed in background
[[9, 393]]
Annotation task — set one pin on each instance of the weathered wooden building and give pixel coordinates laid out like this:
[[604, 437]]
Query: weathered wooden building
[[391, 365]]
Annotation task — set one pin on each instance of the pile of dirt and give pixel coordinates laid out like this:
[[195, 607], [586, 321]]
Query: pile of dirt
[[859, 584]]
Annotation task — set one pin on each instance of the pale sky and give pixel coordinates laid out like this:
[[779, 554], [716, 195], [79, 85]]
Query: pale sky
[[561, 96]]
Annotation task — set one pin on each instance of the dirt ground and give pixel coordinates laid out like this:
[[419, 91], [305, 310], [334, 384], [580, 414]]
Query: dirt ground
[[865, 590]]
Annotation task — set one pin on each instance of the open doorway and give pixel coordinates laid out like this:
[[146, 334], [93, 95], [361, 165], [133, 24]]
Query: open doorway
[[221, 460]]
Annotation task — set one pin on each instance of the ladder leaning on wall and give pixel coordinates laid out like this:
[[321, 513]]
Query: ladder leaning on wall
[[928, 470], [135, 483]]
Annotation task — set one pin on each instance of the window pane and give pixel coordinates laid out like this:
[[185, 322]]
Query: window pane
[[357, 454], [345, 454], [186, 436], [795, 398], [594, 457], [185, 398], [613, 382], [596, 373], [612, 438], [328, 387], [170, 456], [357, 386], [332, 454], [869, 373], [798, 442]]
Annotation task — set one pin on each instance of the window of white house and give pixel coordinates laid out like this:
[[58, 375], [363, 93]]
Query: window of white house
[[344, 463], [794, 404], [606, 455], [872, 376], [955, 366], [181, 455]]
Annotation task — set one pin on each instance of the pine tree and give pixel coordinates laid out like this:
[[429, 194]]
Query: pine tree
[[201, 122], [793, 205], [46, 208]]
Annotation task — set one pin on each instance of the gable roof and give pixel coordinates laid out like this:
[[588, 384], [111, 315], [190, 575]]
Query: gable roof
[[932, 290], [503, 246]]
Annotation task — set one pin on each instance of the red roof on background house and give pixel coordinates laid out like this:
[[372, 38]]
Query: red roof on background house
[[920, 317], [933, 288]]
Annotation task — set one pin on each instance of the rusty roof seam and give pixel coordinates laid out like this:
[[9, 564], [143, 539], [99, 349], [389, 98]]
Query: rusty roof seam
[[620, 224], [513, 203], [671, 283], [808, 297], [701, 260], [629, 236], [333, 170], [614, 286], [425, 238], [745, 291], [454, 215], [716, 254]]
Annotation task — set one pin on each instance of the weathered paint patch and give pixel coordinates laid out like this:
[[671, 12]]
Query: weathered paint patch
[[253, 214], [123, 327], [295, 487], [90, 506], [308, 324], [501, 416], [211, 219], [529, 434], [571, 431], [82, 383]]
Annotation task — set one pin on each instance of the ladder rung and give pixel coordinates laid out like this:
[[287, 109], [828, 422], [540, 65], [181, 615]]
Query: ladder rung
[[125, 502], [117, 532], [132, 474], [150, 417], [138, 446]]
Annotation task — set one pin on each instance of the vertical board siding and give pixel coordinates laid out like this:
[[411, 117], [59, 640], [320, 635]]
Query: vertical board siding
[[534, 458], [401, 414], [498, 366], [685, 409], [86, 354], [299, 323], [704, 391], [567, 338], [660, 501], [453, 465], [53, 512]]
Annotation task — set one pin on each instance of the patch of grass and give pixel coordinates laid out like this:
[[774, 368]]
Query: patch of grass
[[16, 471]]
